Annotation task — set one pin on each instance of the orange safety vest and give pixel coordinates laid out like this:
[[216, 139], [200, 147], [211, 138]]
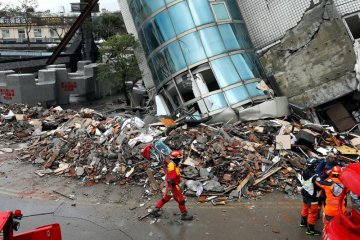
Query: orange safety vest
[[333, 188]]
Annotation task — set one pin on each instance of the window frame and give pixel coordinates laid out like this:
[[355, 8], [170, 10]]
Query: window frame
[[7, 34], [347, 27], [18, 32], [37, 30], [214, 13]]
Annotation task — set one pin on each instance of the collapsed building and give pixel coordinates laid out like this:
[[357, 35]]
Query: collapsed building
[[205, 55]]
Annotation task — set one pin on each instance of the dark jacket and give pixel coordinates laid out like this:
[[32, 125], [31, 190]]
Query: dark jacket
[[309, 177], [325, 166]]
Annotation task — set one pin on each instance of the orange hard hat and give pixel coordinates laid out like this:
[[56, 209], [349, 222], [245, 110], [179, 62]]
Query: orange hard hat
[[336, 170], [176, 154]]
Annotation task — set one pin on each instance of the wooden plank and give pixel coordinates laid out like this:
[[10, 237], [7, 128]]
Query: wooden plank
[[153, 183], [267, 175], [243, 182]]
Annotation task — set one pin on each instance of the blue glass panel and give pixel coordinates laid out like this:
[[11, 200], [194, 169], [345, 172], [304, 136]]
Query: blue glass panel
[[215, 102], [225, 71], [247, 66], [192, 48], [257, 66], [251, 87], [181, 17], [169, 1], [220, 11], [242, 36], [229, 38], [152, 37], [161, 66], [154, 74], [234, 9], [168, 61], [175, 59], [236, 95], [164, 27], [212, 41], [143, 42], [151, 6], [201, 11], [136, 10]]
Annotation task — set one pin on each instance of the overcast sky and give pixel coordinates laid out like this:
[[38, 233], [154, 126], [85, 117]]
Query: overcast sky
[[54, 5]]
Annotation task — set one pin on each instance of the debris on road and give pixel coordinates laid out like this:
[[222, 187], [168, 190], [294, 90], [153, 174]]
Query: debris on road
[[221, 161]]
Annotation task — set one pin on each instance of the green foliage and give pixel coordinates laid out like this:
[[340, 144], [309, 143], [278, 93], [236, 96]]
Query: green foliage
[[120, 65], [108, 25]]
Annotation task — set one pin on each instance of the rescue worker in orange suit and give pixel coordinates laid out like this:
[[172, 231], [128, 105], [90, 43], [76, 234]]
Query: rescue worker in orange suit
[[333, 188], [173, 180], [310, 192]]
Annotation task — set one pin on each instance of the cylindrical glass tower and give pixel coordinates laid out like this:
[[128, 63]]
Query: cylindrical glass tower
[[199, 53]]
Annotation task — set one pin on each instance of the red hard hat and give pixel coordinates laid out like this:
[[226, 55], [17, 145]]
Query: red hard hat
[[176, 154], [336, 170]]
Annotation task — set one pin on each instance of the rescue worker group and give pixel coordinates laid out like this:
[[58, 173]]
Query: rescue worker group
[[321, 189], [321, 186]]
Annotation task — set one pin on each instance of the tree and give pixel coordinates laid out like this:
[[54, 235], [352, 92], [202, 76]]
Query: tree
[[3, 9], [120, 64], [26, 10], [107, 25]]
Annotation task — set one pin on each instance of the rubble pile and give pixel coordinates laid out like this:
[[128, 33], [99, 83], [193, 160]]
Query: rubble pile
[[219, 161]]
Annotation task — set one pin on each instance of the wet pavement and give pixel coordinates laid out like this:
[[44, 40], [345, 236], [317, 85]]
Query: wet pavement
[[273, 217], [111, 212]]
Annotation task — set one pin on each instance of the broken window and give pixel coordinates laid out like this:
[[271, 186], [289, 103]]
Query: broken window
[[210, 80], [169, 103], [184, 85], [172, 93], [353, 24]]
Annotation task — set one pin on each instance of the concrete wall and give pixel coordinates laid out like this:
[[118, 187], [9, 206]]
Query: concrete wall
[[268, 20], [55, 84], [315, 61]]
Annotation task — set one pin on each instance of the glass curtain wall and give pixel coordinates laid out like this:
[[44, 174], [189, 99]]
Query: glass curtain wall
[[177, 36]]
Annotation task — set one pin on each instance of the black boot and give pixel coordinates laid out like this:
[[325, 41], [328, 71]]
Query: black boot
[[155, 212], [311, 231], [186, 217], [303, 222]]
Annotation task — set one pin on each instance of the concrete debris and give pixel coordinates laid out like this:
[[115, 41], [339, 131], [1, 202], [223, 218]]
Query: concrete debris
[[220, 162], [6, 150]]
